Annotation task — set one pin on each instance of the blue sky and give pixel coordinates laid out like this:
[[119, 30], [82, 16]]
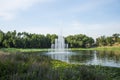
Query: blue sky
[[91, 17]]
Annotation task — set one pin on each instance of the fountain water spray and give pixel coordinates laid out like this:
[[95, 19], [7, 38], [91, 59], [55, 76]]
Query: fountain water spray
[[59, 50], [59, 45]]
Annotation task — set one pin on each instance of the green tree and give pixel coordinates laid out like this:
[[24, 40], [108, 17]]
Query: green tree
[[109, 41], [116, 37], [79, 40], [1, 38], [101, 41]]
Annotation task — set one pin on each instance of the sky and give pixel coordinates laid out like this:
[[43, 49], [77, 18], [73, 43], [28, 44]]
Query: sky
[[93, 18]]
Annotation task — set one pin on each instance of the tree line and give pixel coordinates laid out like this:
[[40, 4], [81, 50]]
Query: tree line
[[109, 40], [13, 39]]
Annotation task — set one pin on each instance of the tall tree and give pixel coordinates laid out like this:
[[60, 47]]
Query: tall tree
[[79, 40], [1, 38], [116, 36]]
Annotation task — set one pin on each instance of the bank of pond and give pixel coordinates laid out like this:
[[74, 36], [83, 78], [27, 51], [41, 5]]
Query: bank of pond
[[31, 66], [13, 50]]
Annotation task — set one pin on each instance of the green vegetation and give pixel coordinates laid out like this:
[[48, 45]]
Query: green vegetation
[[113, 40], [20, 50], [107, 48], [79, 41], [27, 40], [17, 50], [35, 67]]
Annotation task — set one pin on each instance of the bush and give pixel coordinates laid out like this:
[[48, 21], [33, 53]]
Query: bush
[[36, 67]]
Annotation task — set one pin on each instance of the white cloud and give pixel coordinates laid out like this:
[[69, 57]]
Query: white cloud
[[9, 8]]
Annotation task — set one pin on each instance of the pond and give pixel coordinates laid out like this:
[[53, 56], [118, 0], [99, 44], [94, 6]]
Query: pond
[[89, 57]]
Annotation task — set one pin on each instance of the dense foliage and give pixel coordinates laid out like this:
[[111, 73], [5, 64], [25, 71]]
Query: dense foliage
[[12, 39], [35, 67], [28, 40], [25, 40], [80, 40], [108, 41]]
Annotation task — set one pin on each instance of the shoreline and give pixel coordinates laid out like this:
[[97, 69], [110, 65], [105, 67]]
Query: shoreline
[[14, 50]]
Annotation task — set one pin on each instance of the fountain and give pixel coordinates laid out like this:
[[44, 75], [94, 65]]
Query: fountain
[[59, 50], [59, 45]]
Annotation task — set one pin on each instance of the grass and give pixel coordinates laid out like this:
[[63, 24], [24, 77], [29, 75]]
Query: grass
[[17, 50], [35, 67], [109, 48]]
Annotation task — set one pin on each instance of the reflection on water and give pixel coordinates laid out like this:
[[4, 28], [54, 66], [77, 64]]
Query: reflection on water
[[59, 56], [105, 58]]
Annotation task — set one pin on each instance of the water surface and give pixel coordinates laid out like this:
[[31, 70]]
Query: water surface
[[104, 58]]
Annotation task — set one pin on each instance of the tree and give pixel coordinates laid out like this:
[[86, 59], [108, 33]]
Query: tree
[[28, 40], [53, 37], [109, 41], [79, 40], [116, 37], [1, 38], [101, 41]]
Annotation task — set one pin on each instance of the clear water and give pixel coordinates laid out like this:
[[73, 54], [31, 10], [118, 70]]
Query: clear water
[[104, 58]]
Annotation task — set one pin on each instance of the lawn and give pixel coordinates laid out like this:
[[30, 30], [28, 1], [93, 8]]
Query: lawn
[[17, 50], [109, 48], [14, 50]]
